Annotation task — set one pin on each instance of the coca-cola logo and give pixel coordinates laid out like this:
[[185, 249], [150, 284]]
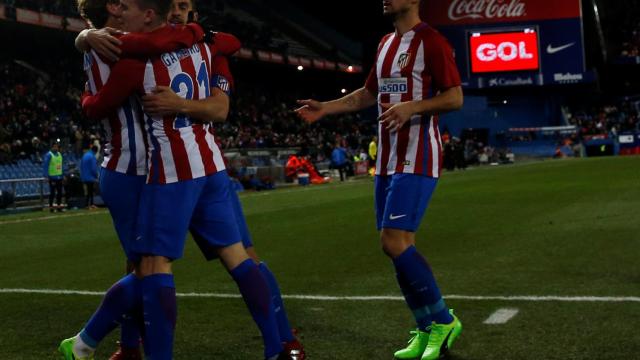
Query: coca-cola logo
[[486, 9]]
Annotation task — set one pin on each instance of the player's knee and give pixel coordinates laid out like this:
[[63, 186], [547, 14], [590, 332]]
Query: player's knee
[[391, 247], [394, 242], [150, 265], [251, 251], [233, 255]]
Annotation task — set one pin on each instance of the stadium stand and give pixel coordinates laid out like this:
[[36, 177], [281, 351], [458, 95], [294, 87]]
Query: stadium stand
[[40, 106], [257, 32]]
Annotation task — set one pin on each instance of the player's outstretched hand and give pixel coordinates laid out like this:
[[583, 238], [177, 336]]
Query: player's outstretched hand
[[162, 101], [311, 110], [104, 42], [395, 116]]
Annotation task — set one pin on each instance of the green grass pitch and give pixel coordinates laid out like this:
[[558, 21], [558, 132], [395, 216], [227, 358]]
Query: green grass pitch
[[561, 228]]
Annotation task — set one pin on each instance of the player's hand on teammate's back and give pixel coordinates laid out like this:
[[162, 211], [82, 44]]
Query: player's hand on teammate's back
[[104, 42], [311, 110], [162, 101], [396, 116]]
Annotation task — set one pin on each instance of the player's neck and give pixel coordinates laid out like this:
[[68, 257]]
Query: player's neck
[[154, 26], [405, 22], [112, 23]]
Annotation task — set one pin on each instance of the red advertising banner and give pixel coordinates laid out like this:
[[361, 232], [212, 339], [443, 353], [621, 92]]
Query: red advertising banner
[[497, 52], [52, 21], [464, 12], [293, 60], [245, 53], [77, 25], [27, 16], [305, 62], [277, 58], [319, 64], [263, 55]]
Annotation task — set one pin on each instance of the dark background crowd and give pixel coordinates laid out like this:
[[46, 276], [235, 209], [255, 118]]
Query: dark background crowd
[[610, 119], [38, 107]]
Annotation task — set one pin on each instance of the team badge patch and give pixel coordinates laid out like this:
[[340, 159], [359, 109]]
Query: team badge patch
[[222, 83], [403, 60]]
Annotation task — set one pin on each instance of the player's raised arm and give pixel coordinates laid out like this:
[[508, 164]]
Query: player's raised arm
[[313, 110], [103, 41], [394, 117], [164, 101], [151, 44], [126, 76]]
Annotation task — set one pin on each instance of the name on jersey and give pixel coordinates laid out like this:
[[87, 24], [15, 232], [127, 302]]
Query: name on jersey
[[173, 57], [392, 86]]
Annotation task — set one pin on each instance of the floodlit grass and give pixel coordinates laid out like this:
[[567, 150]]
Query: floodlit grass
[[564, 228]]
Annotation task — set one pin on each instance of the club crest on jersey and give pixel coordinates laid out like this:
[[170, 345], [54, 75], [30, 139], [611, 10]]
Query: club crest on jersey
[[403, 60], [222, 83]]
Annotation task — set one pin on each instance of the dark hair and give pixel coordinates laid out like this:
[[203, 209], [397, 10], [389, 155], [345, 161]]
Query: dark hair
[[94, 149], [161, 7], [95, 11]]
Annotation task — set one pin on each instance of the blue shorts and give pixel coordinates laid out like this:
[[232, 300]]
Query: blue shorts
[[121, 194], [168, 211], [210, 252], [402, 199]]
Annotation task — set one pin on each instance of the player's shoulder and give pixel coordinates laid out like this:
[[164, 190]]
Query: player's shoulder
[[432, 38], [386, 37], [427, 31]]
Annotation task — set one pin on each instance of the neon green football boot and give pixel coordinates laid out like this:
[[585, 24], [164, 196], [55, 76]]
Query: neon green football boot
[[442, 338], [66, 349], [417, 344]]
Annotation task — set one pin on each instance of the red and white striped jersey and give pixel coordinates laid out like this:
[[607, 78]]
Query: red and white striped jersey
[[413, 66], [179, 149], [125, 150]]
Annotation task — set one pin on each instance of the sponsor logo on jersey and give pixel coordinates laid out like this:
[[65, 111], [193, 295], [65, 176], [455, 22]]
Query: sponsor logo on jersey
[[393, 86]]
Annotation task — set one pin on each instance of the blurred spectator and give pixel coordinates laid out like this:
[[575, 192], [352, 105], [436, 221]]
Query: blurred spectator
[[37, 108], [373, 152], [89, 173], [609, 120], [339, 160], [52, 169]]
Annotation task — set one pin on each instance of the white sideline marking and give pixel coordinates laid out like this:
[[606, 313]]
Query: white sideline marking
[[501, 316], [350, 298], [52, 217]]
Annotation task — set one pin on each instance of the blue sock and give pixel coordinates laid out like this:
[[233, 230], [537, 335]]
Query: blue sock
[[160, 313], [420, 313], [413, 268], [255, 292], [133, 323], [118, 304], [286, 335]]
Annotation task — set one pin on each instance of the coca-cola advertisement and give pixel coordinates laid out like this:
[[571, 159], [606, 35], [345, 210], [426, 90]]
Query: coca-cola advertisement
[[501, 43], [461, 12]]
